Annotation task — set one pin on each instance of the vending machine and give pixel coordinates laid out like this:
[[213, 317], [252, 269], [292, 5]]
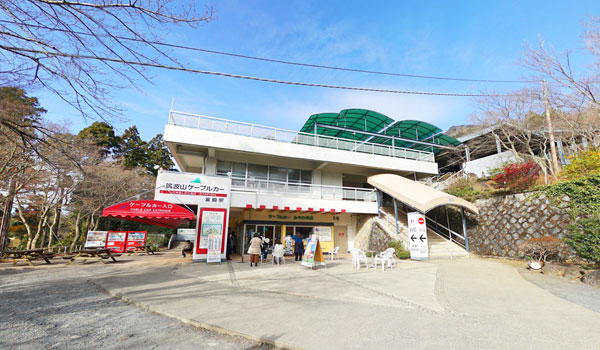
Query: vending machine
[[95, 239], [136, 239], [116, 241]]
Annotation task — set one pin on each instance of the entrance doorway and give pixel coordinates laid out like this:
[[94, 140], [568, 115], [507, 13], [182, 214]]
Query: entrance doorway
[[341, 238]]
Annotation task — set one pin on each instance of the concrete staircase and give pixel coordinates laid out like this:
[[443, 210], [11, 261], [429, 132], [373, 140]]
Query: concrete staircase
[[439, 247]]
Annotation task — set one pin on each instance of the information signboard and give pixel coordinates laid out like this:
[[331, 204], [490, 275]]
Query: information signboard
[[209, 193], [417, 235], [115, 241], [211, 222], [313, 255], [324, 233], [214, 248], [136, 239], [95, 239]]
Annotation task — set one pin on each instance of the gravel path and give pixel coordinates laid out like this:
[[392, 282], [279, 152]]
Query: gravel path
[[573, 291], [54, 309]]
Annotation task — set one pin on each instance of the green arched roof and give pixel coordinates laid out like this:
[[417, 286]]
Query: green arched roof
[[373, 122]]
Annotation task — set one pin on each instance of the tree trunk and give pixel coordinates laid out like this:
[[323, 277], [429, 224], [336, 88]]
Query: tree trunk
[[6, 213], [97, 223], [55, 222], [77, 230], [25, 223], [39, 229]]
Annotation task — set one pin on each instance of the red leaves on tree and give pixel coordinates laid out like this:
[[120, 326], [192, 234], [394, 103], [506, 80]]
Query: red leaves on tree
[[517, 176]]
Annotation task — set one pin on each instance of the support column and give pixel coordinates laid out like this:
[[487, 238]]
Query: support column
[[464, 225], [396, 216], [379, 203]]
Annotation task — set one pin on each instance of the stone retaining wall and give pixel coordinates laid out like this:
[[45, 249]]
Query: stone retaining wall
[[379, 240], [507, 221]]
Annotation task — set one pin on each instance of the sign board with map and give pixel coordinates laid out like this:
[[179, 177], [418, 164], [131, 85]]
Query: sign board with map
[[211, 225], [212, 196]]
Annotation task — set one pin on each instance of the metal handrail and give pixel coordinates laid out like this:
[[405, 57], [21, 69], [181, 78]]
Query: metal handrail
[[461, 238], [431, 226], [313, 190], [289, 136]]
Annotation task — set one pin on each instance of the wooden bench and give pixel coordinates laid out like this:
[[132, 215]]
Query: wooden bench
[[143, 248], [28, 256], [91, 253]]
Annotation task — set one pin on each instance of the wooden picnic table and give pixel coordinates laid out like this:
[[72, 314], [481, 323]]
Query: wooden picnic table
[[143, 248], [28, 255], [92, 253]]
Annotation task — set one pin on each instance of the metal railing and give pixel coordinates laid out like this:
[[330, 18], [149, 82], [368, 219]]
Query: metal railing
[[281, 135], [446, 233], [304, 190]]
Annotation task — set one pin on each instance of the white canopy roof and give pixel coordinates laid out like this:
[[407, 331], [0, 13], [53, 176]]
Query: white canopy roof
[[415, 194]]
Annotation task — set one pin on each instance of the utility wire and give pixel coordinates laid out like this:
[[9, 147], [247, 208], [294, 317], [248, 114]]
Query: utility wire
[[198, 71], [310, 65]]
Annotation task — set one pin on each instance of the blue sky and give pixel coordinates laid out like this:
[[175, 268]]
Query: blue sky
[[470, 39]]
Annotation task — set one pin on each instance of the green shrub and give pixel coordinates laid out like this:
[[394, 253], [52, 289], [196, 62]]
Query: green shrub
[[584, 238], [584, 210], [401, 253], [462, 188], [583, 164]]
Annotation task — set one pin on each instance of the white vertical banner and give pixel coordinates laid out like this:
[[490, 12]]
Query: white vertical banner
[[214, 248], [417, 236]]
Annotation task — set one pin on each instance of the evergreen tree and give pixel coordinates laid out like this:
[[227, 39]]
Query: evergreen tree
[[104, 137]]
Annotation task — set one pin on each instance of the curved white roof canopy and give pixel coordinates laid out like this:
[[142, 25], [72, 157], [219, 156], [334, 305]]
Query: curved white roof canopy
[[415, 194]]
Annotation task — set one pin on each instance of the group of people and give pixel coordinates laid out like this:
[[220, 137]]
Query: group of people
[[258, 246]]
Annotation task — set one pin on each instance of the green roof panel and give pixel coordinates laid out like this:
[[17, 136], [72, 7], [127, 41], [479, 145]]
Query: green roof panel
[[373, 122]]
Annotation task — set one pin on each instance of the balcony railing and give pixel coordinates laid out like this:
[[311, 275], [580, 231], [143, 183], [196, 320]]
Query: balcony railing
[[304, 190], [288, 136]]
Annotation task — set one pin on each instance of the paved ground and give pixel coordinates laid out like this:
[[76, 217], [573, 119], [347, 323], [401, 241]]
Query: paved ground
[[58, 308], [466, 303], [573, 291]]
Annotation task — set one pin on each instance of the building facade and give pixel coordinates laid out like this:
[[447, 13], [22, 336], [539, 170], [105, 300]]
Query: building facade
[[312, 181]]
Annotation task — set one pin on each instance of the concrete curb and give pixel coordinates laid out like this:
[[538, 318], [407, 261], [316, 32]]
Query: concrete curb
[[197, 324]]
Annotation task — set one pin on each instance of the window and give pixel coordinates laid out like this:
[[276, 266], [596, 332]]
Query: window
[[223, 167], [277, 174], [257, 174], [306, 176], [293, 176], [239, 170]]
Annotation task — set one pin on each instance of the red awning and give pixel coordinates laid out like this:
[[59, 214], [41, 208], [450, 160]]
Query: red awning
[[151, 212]]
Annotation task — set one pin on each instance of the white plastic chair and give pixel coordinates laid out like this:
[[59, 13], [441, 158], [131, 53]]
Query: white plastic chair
[[385, 258], [357, 257], [278, 254], [333, 253]]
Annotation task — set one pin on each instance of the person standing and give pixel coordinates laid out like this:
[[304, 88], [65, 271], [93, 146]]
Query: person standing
[[298, 248], [233, 242], [255, 249], [229, 247]]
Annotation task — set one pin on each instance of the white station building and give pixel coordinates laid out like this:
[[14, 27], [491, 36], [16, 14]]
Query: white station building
[[245, 178]]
